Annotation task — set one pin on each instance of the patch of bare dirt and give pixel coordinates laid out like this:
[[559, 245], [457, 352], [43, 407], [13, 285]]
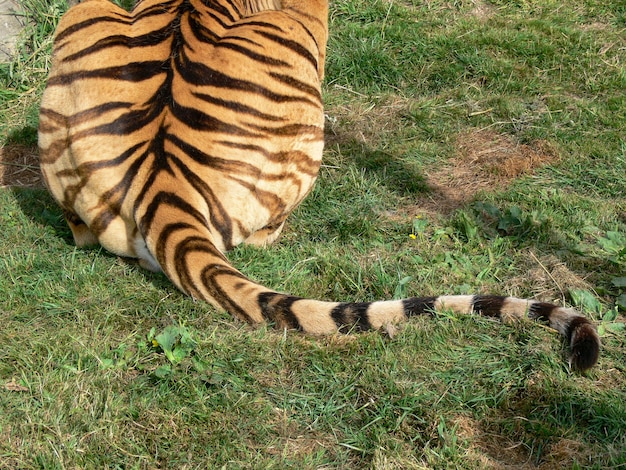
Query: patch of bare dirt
[[294, 440], [482, 10], [490, 450], [595, 26], [19, 167], [484, 161], [549, 278], [495, 451]]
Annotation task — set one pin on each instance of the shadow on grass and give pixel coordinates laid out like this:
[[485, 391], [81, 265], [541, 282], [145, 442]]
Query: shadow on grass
[[399, 177], [38, 205]]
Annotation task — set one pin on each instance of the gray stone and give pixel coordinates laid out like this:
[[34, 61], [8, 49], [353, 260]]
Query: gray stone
[[11, 24]]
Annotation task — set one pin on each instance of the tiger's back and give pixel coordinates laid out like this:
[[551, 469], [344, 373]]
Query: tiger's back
[[186, 127]]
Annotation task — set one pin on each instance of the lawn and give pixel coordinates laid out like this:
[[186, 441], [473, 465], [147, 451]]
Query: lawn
[[471, 147]]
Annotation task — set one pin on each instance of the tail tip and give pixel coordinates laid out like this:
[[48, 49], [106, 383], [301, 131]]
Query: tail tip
[[584, 346]]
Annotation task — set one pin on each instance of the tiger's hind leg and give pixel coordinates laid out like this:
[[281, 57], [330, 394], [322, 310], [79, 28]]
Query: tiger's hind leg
[[82, 235], [266, 236]]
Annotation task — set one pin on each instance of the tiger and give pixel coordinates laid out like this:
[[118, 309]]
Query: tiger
[[181, 129]]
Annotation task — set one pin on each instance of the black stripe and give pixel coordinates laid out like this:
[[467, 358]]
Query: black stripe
[[305, 163], [152, 38], [123, 125], [160, 252], [289, 130], [271, 201], [298, 85], [112, 199], [352, 315], [215, 163], [198, 120], [209, 273], [209, 277], [161, 8], [195, 244], [261, 24], [90, 167], [130, 72], [237, 107], [218, 215], [201, 32], [541, 311], [96, 112], [419, 306], [76, 27], [488, 305], [215, 6], [167, 199], [292, 45], [209, 12], [277, 308], [261, 58], [200, 74]]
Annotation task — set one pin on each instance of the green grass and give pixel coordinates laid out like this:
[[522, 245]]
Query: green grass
[[103, 365]]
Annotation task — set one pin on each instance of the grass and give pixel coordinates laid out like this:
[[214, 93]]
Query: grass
[[431, 107]]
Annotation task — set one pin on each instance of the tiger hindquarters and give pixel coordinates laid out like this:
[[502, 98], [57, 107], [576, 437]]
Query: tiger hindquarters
[[174, 132]]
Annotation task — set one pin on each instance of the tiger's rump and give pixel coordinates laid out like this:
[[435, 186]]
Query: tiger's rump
[[144, 76], [186, 127]]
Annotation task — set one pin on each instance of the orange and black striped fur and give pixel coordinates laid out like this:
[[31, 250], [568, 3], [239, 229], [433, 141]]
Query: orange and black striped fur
[[186, 127]]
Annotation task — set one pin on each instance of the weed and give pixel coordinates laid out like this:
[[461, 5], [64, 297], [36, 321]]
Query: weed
[[613, 248], [587, 302]]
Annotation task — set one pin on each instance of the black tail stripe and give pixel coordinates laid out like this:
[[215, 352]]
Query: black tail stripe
[[488, 305], [419, 306], [209, 278], [541, 311], [352, 315], [278, 309]]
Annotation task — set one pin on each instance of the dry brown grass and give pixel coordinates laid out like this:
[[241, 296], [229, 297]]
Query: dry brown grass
[[484, 161], [19, 167], [492, 450], [362, 119], [482, 11], [548, 278]]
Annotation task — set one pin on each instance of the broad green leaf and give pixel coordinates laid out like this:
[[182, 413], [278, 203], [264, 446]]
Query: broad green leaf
[[585, 300], [609, 315], [619, 281], [178, 354], [167, 338], [616, 327], [163, 371]]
